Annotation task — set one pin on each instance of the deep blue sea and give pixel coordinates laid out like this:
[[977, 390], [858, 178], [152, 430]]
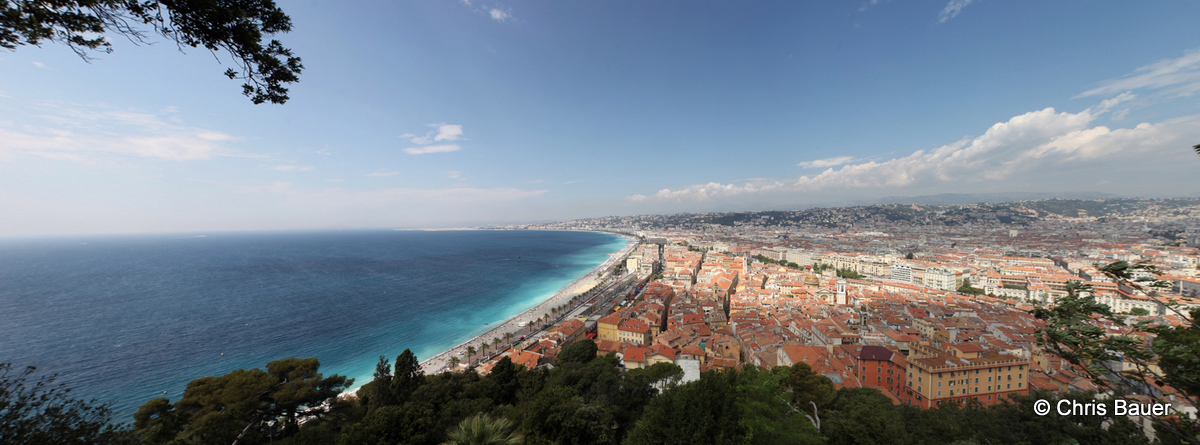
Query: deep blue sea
[[124, 318]]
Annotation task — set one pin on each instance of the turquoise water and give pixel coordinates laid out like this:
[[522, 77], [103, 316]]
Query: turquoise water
[[124, 318]]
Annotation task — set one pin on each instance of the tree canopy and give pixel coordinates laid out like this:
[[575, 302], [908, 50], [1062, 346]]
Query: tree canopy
[[37, 410], [239, 27], [236, 407], [593, 402]]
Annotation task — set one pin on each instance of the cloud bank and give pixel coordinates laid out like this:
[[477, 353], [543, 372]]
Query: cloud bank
[[91, 133], [1026, 148], [827, 162], [432, 149], [1178, 77]]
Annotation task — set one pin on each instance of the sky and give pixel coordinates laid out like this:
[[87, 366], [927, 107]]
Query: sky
[[448, 113]]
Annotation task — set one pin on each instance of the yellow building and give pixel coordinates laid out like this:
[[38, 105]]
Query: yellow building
[[989, 377], [606, 327]]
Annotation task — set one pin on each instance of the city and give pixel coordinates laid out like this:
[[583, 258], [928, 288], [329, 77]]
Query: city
[[928, 304]]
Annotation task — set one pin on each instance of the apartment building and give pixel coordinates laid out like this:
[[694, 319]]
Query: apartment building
[[934, 378]]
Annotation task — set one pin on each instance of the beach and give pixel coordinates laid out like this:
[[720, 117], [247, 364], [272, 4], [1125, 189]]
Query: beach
[[441, 361]]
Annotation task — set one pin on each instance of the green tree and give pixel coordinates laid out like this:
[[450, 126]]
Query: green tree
[[1124, 363], [484, 430], [239, 27], [733, 407], [660, 375], [408, 376], [236, 407], [36, 410], [808, 391], [582, 351], [864, 416], [967, 289], [378, 392], [410, 423], [848, 273], [1139, 311]]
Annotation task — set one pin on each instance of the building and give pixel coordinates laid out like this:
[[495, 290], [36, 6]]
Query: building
[[935, 377], [881, 368], [943, 278], [902, 273], [1193, 236], [569, 331], [606, 327], [841, 291], [634, 332]]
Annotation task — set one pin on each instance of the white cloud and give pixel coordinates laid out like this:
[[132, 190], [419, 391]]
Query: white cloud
[[827, 162], [382, 173], [443, 132], [39, 64], [83, 133], [1177, 77], [453, 174], [867, 5], [294, 168], [499, 15], [1036, 146], [952, 9], [432, 149], [574, 182], [448, 132]]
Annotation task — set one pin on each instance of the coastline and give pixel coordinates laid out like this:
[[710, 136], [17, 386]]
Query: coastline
[[440, 362]]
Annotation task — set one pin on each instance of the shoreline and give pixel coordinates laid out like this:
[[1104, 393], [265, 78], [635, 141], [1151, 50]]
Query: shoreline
[[440, 362]]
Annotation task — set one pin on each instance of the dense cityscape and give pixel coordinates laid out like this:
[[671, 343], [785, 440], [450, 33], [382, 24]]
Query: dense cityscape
[[927, 304]]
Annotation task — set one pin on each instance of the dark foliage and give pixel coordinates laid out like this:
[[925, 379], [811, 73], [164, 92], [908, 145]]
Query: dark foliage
[[38, 411], [238, 27]]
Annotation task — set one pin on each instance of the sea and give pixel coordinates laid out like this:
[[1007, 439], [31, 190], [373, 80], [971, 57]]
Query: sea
[[125, 319]]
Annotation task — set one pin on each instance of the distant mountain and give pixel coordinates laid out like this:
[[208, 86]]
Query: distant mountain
[[988, 198]]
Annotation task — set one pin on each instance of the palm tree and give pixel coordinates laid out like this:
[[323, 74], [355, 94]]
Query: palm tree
[[496, 341], [508, 336], [470, 352], [483, 430], [454, 362]]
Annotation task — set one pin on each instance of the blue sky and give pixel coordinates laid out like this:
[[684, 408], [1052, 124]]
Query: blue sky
[[448, 113]]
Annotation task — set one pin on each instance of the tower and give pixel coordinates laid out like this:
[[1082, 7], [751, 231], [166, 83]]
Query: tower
[[841, 291]]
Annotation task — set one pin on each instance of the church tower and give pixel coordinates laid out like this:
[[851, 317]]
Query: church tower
[[841, 291]]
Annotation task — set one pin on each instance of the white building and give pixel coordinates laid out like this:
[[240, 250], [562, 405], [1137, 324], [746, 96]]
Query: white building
[[902, 273], [941, 278]]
